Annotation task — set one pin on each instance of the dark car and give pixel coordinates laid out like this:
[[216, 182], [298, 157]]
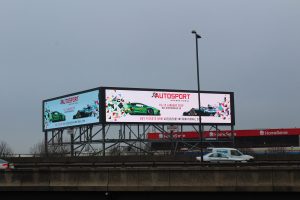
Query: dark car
[[57, 117], [140, 109], [85, 112], [204, 111]]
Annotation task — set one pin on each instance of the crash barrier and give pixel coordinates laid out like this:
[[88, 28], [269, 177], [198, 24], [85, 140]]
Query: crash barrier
[[98, 159]]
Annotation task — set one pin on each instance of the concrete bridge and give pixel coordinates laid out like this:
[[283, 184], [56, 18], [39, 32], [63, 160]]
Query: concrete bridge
[[196, 178]]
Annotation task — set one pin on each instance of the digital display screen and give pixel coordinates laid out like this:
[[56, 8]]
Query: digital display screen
[[72, 110], [141, 106]]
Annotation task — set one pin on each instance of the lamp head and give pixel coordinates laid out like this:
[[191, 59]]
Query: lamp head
[[194, 32]]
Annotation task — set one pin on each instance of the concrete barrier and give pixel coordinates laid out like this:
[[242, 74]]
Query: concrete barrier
[[153, 179]]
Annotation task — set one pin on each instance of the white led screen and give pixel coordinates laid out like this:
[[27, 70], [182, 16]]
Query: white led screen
[[139, 106]]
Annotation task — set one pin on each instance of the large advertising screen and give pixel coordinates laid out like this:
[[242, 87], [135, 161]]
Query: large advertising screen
[[72, 110], [179, 107]]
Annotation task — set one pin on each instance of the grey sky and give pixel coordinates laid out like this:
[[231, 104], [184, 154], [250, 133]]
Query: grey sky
[[54, 47]]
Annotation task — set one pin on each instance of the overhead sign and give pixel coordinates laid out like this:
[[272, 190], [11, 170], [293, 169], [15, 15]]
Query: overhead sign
[[179, 107], [72, 110]]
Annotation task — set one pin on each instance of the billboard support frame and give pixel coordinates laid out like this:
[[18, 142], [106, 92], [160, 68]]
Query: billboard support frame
[[46, 143], [133, 136]]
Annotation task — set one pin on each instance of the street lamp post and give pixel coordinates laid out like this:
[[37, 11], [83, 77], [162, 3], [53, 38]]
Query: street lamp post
[[198, 81]]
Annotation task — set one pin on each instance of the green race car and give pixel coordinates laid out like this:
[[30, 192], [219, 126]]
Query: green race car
[[140, 109], [57, 117]]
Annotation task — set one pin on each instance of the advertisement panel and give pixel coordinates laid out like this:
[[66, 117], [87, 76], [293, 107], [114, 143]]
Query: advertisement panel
[[179, 107], [72, 110]]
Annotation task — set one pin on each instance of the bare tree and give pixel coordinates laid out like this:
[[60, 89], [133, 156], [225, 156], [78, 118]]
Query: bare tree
[[38, 149], [53, 150], [5, 150]]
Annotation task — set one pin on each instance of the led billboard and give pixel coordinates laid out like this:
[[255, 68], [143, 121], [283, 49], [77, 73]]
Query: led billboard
[[71, 110], [165, 106]]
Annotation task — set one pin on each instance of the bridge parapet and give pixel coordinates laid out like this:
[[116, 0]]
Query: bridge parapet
[[153, 179]]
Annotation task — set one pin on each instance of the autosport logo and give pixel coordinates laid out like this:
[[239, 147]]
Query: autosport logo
[[166, 95], [69, 100]]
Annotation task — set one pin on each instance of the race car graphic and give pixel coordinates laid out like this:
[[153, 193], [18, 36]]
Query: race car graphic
[[140, 109]]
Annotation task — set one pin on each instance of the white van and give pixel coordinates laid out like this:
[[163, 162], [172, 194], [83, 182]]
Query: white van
[[231, 153]]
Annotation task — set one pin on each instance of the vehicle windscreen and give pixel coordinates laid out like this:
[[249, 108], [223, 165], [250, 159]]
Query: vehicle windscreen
[[235, 153]]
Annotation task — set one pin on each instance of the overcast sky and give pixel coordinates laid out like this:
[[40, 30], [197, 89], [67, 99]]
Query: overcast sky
[[55, 47]]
